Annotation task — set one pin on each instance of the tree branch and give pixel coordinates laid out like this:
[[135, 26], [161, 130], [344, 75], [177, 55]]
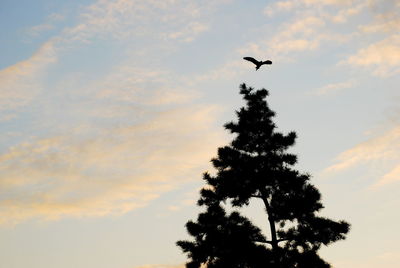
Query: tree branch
[[270, 242]]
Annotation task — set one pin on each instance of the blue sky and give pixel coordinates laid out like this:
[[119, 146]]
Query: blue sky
[[110, 111]]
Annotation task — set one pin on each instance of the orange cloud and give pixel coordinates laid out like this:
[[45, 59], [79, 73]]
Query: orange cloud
[[382, 151], [382, 56], [383, 147], [109, 172], [21, 82], [391, 177], [302, 34], [344, 14]]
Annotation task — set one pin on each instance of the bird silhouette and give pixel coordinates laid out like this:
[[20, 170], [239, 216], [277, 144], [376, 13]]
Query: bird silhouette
[[256, 62]]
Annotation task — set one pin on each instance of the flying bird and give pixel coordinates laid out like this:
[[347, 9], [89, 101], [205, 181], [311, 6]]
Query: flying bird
[[256, 62]]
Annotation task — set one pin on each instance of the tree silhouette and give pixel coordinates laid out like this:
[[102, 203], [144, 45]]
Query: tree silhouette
[[256, 165]]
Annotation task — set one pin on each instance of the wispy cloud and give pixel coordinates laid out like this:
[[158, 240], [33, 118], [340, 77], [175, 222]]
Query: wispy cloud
[[130, 84], [188, 33], [383, 22], [111, 172], [49, 24], [280, 6], [381, 151], [389, 178], [226, 71], [344, 14], [313, 27], [115, 19], [122, 19], [188, 199], [383, 147], [21, 82], [334, 88], [157, 138], [383, 57], [289, 5], [303, 34], [38, 29]]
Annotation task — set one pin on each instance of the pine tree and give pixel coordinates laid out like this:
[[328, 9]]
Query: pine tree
[[256, 165]]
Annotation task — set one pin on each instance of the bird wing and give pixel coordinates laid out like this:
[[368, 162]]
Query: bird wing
[[252, 60]]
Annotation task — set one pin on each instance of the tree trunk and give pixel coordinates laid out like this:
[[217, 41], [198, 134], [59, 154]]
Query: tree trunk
[[274, 240]]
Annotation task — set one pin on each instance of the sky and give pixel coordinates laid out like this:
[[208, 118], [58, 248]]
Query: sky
[[111, 110]]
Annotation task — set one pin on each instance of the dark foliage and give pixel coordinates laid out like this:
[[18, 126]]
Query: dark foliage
[[257, 165], [223, 240]]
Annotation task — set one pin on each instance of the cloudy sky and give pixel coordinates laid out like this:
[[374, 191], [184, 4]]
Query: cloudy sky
[[110, 110]]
